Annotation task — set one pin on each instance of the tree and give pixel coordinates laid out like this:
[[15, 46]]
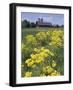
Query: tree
[[32, 24], [62, 25], [57, 25], [25, 24]]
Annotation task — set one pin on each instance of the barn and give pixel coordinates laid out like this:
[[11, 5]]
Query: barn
[[41, 23]]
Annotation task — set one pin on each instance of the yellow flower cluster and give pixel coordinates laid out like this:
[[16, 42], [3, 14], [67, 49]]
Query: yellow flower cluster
[[54, 63], [48, 70], [55, 73], [40, 56], [24, 48], [28, 74], [41, 36], [43, 51], [56, 38], [30, 39]]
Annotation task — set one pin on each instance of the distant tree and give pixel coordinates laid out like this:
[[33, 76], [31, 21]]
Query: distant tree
[[32, 24], [25, 24], [57, 25], [62, 25]]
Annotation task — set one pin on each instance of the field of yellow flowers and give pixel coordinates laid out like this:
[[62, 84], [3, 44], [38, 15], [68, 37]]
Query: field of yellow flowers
[[43, 53]]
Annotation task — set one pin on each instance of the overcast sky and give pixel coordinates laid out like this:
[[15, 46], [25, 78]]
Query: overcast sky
[[47, 17]]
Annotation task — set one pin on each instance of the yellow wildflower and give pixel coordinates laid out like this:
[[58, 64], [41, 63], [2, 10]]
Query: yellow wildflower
[[36, 50], [33, 66], [41, 36], [55, 73], [28, 74], [49, 69], [43, 54], [54, 63], [56, 39], [33, 56], [29, 62], [42, 48], [30, 39], [38, 61]]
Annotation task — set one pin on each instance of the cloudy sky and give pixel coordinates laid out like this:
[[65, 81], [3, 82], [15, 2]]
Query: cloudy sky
[[47, 17]]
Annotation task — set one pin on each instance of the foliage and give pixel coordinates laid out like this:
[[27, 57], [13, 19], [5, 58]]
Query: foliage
[[42, 54], [25, 23]]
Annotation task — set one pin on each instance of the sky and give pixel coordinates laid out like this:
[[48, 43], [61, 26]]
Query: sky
[[47, 17]]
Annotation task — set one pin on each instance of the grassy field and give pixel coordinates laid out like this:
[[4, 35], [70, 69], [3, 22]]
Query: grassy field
[[33, 31], [42, 52]]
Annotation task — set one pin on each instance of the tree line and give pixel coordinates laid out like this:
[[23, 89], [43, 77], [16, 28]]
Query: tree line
[[27, 24]]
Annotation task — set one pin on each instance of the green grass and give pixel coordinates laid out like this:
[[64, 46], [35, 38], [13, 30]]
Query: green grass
[[33, 31]]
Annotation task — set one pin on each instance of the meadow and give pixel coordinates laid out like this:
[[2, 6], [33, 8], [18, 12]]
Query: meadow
[[33, 31], [42, 52]]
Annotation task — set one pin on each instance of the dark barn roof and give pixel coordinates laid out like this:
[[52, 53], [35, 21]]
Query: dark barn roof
[[41, 23], [44, 24]]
